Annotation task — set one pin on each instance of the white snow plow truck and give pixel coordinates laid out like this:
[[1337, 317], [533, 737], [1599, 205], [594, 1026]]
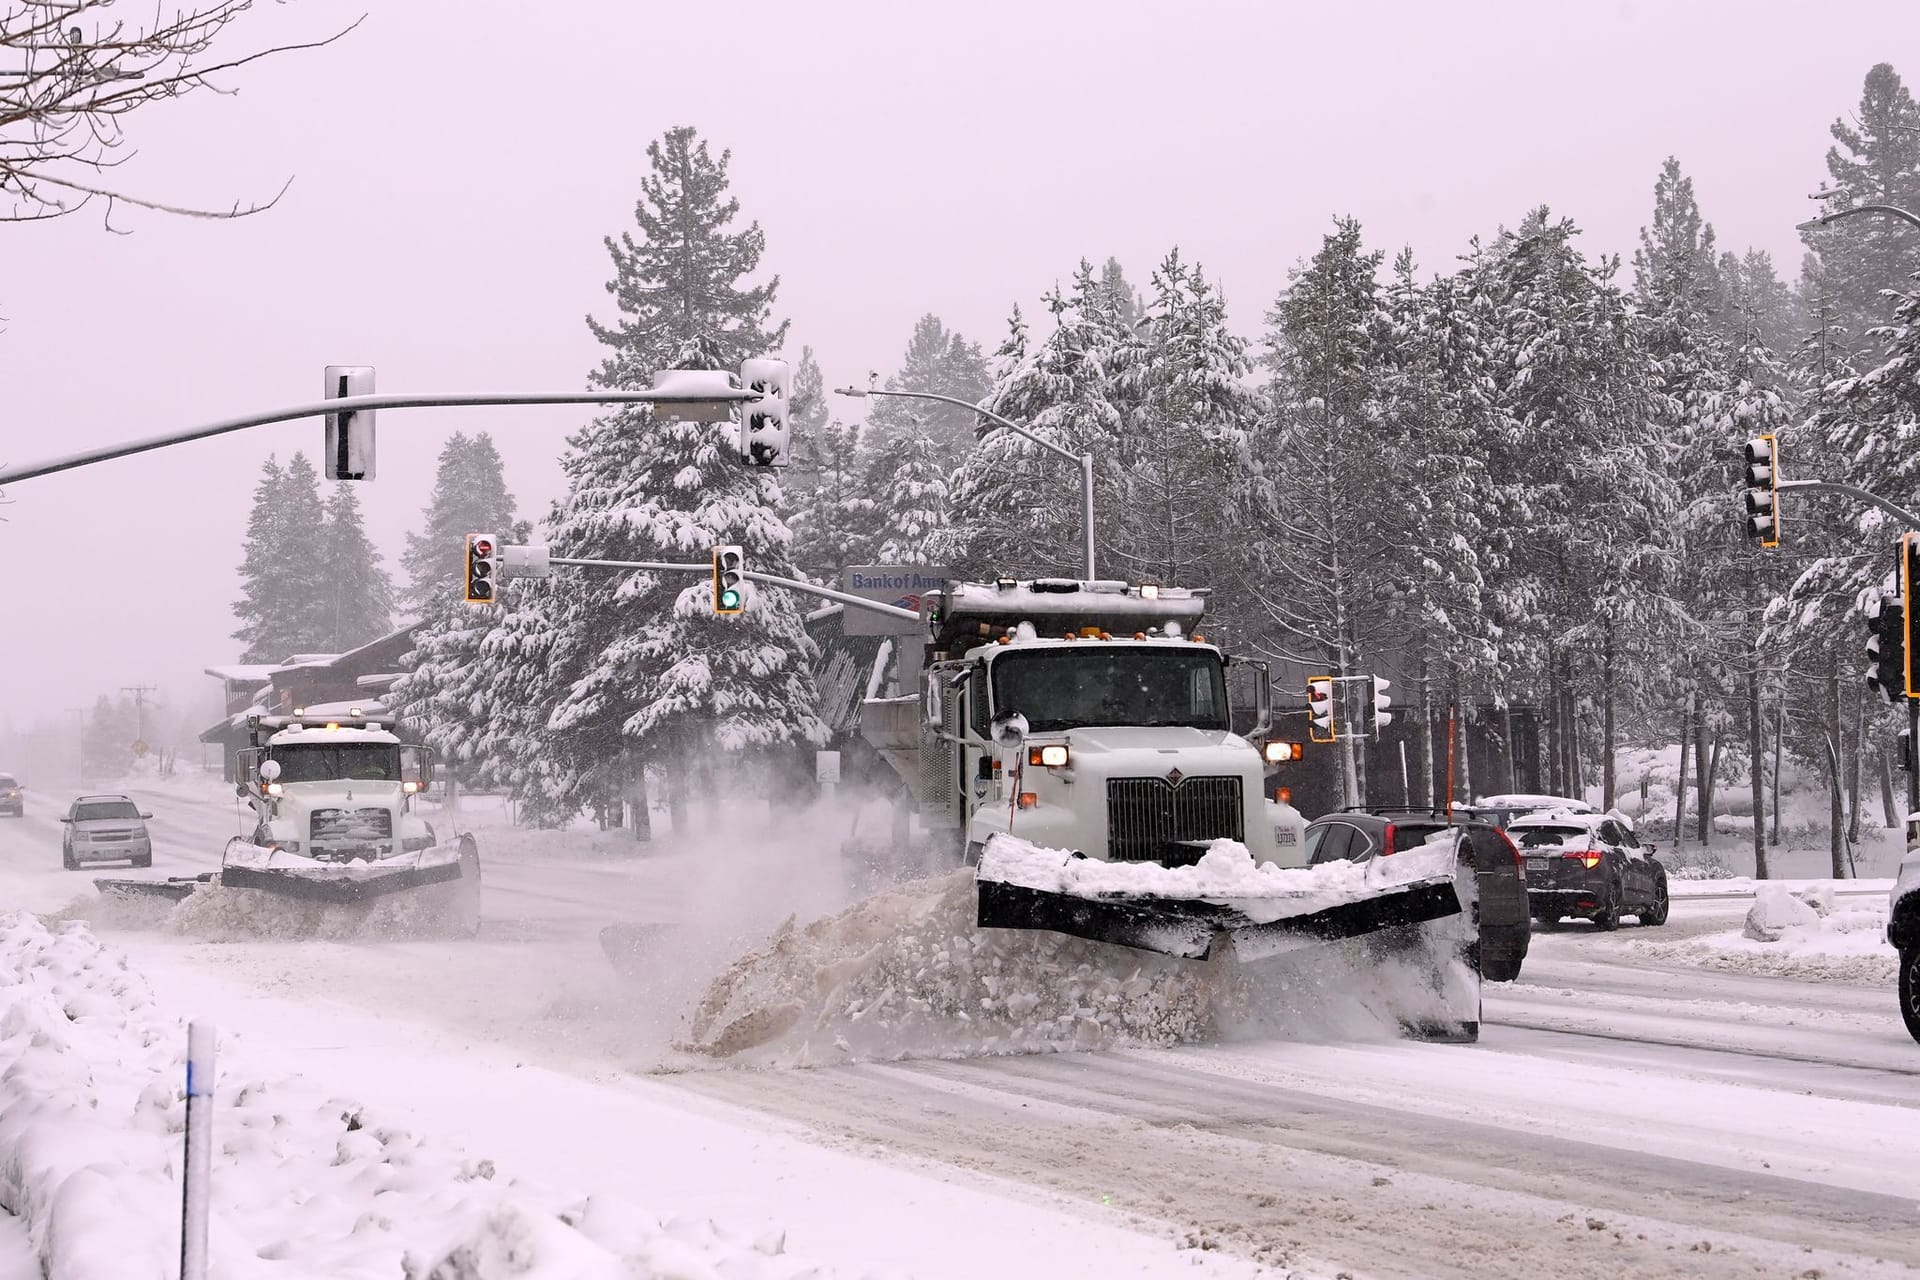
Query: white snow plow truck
[[1072, 740], [333, 824]]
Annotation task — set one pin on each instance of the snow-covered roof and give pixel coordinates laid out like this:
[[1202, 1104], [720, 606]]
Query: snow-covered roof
[[1533, 800], [244, 672], [1585, 819]]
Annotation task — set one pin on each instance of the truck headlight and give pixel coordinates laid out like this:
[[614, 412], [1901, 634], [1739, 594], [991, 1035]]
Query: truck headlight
[[1051, 756]]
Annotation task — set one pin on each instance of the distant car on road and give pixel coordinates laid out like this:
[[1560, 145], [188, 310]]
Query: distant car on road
[[1590, 865], [1362, 835], [105, 829], [10, 798]]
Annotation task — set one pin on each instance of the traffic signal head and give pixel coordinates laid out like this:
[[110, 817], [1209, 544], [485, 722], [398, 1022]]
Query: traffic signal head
[[347, 446], [763, 422], [1762, 457], [483, 568], [1379, 708], [1909, 585], [1320, 708], [729, 580], [1887, 650]]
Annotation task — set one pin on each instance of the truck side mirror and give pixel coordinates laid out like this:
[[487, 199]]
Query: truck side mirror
[[1010, 731], [935, 706]]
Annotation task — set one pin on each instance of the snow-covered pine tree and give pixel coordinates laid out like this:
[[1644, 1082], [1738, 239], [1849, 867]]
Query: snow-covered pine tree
[[1438, 562], [1181, 448], [357, 601], [469, 496], [940, 361], [639, 665], [1875, 160], [282, 578], [807, 417], [908, 481], [1576, 425], [1015, 507], [835, 526], [1683, 320]]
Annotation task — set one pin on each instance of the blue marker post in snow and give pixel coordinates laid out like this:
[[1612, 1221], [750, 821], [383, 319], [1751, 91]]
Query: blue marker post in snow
[[199, 1152]]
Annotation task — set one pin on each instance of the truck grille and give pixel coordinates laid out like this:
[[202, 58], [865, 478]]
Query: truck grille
[[351, 826], [1148, 819]]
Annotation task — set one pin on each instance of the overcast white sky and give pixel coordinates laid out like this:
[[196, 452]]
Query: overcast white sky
[[455, 168]]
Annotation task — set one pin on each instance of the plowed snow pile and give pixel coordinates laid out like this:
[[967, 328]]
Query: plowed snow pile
[[905, 973], [304, 1184]]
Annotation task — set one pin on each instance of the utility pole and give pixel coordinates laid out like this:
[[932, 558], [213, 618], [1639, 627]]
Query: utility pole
[[139, 692]]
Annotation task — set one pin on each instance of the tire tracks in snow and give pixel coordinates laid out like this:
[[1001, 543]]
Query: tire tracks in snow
[[1291, 1176]]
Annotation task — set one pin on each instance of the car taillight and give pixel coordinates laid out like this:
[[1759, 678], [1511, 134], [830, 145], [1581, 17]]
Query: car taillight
[[1512, 848], [1589, 856], [1386, 841]]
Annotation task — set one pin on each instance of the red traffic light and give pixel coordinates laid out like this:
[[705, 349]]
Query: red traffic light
[[481, 547]]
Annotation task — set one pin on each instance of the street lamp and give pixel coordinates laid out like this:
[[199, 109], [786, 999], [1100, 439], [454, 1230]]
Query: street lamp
[[1085, 460], [1911, 219]]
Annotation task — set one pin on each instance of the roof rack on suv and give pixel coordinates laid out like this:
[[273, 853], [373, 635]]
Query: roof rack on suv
[[1432, 810]]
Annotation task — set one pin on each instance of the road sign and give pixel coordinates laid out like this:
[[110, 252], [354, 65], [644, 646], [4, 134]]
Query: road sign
[[900, 585], [826, 766], [139, 746]]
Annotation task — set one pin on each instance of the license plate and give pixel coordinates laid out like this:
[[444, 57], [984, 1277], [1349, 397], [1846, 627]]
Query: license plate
[[1536, 864]]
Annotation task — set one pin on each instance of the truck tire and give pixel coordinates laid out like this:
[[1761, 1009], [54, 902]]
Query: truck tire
[[1910, 989]]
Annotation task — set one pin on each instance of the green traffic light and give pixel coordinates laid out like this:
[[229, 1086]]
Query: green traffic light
[[730, 599]]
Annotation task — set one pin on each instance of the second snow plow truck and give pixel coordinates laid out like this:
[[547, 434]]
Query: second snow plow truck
[[1072, 740], [331, 801]]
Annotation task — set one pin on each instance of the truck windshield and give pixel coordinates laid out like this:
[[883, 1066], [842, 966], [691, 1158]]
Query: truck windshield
[[323, 762], [1106, 684]]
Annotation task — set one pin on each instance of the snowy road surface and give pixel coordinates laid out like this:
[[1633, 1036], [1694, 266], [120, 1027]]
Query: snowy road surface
[[1627, 1113]]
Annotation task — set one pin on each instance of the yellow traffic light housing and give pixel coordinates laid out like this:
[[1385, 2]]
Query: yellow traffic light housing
[[729, 580], [483, 568]]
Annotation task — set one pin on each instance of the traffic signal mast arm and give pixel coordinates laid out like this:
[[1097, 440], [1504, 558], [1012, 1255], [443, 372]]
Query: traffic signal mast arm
[[791, 584], [1900, 513], [346, 404]]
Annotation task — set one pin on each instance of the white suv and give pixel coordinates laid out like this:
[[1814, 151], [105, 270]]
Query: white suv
[[105, 829]]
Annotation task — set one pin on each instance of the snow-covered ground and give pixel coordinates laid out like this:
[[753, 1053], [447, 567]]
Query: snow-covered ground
[[1632, 1110]]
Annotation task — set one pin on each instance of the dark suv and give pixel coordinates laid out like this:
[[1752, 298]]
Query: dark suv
[[10, 801], [1592, 865], [1359, 835]]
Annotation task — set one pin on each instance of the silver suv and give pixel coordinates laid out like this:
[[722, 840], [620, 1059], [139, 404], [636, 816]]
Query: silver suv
[[10, 801], [105, 829]]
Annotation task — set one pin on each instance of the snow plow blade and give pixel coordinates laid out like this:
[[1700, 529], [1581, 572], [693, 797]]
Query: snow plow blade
[[1190, 928], [173, 888], [337, 888]]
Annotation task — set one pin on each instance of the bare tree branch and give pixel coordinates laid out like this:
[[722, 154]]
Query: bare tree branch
[[68, 76]]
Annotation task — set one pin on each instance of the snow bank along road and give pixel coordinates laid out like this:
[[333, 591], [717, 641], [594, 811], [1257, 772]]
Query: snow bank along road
[[1627, 1113]]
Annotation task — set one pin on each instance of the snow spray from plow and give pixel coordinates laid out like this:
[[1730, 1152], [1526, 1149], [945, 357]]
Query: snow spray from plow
[[926, 969], [260, 892]]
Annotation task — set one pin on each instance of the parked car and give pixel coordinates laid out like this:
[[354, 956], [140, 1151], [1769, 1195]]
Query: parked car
[[1590, 865], [105, 829], [10, 798], [1505, 928], [1503, 809]]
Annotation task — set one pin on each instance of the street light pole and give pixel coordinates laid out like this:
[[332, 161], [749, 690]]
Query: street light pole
[[1083, 460], [1892, 211]]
